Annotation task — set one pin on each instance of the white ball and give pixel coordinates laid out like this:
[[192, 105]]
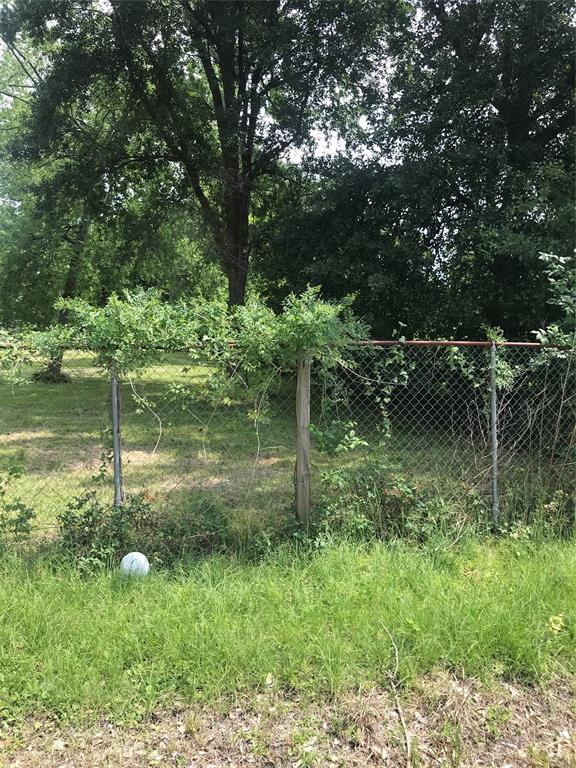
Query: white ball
[[135, 564]]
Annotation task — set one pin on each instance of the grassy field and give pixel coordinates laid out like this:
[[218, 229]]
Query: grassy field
[[295, 634], [58, 437], [316, 624]]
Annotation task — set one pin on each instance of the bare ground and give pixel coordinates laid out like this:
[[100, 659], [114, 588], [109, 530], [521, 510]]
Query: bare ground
[[447, 722]]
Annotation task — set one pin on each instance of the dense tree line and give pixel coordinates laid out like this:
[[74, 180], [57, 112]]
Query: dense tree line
[[174, 144]]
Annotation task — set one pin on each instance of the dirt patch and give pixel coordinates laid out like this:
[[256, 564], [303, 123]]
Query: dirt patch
[[27, 436], [449, 722]]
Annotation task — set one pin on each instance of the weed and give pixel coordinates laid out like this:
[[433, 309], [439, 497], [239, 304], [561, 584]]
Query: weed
[[15, 516], [451, 735], [94, 533], [538, 757], [257, 741], [496, 718], [192, 725], [339, 437], [347, 730], [375, 500]]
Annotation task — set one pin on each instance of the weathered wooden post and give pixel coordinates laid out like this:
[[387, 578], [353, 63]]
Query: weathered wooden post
[[116, 443], [302, 474]]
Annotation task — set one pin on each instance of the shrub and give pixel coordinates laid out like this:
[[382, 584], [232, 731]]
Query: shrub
[[338, 437], [374, 500], [197, 525], [95, 534]]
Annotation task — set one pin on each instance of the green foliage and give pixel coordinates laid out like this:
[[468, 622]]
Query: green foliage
[[14, 357], [338, 437], [459, 173], [551, 515], [209, 95], [15, 516], [561, 273], [130, 333], [484, 117], [307, 324], [96, 534], [84, 229], [374, 500], [93, 532], [136, 331], [255, 349], [506, 374]]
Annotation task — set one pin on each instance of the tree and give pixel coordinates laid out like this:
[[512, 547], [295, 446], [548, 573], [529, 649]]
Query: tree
[[462, 172], [484, 121], [216, 90], [73, 231], [67, 248], [368, 245]]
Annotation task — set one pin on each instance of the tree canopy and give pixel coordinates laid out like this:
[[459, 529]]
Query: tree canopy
[[416, 153], [215, 90], [466, 175]]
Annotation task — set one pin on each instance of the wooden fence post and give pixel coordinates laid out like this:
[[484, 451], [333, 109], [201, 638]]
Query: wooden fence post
[[116, 441], [302, 475]]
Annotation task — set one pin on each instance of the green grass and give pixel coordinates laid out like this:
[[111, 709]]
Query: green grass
[[56, 434], [79, 647]]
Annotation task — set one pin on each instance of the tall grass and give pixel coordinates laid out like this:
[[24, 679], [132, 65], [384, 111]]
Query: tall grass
[[77, 647]]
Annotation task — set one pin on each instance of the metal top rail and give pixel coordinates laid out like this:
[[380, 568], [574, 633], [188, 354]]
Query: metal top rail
[[454, 343]]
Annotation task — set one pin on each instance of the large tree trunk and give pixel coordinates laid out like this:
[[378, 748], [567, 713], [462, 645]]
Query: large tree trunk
[[53, 372], [237, 284], [235, 258]]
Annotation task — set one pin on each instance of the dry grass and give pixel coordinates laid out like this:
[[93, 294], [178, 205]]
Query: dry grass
[[457, 723]]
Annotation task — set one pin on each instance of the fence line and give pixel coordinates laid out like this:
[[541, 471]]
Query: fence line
[[479, 422], [450, 343]]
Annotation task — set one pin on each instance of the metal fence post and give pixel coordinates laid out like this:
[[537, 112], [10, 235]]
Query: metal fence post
[[494, 435], [116, 443], [302, 475]]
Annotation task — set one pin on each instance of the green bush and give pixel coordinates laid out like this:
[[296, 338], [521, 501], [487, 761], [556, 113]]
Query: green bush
[[198, 525], [550, 513], [373, 500], [95, 534], [338, 437]]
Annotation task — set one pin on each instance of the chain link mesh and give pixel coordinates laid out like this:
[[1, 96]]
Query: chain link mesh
[[56, 439], [423, 409], [176, 441]]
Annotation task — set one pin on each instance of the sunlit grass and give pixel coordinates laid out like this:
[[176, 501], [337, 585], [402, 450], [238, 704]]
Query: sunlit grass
[[58, 436], [81, 646]]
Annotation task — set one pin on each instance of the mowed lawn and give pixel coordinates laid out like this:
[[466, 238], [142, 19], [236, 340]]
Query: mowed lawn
[[318, 623]]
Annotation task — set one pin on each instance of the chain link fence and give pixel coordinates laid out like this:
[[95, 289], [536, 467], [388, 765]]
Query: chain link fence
[[425, 407], [422, 408], [56, 439]]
